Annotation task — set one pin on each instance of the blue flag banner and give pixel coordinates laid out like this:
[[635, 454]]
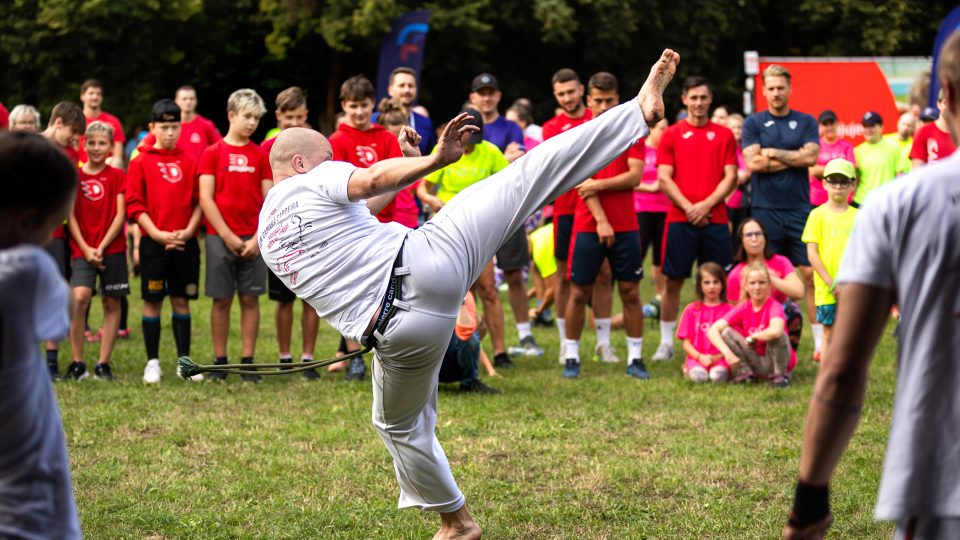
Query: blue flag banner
[[403, 46], [950, 24]]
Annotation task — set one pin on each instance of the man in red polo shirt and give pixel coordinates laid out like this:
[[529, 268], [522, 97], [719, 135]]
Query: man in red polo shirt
[[697, 167], [605, 228], [932, 142], [91, 94], [196, 132]]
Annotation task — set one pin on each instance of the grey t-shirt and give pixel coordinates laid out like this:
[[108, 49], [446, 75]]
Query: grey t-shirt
[[907, 240], [36, 493]]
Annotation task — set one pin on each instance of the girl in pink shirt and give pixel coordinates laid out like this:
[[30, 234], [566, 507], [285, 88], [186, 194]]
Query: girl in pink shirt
[[651, 204], [704, 361], [752, 336]]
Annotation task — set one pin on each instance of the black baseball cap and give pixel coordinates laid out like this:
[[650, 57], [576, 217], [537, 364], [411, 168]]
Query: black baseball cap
[[484, 80], [477, 120], [165, 110], [871, 119], [827, 116]]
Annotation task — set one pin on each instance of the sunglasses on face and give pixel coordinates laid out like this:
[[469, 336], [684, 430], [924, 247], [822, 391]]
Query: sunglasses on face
[[753, 235]]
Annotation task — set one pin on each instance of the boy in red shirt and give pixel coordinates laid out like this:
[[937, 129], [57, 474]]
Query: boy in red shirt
[[98, 248], [196, 132], [234, 178], [361, 142], [697, 168], [163, 199], [291, 112], [605, 228], [66, 124], [91, 95], [932, 142]]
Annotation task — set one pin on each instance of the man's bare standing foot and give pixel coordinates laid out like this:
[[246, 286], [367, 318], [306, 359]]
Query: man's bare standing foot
[[457, 525], [651, 93]]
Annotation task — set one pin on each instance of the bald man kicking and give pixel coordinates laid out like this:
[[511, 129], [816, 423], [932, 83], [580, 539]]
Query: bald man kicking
[[399, 290]]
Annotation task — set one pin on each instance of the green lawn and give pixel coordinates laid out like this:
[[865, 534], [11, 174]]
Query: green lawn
[[604, 456]]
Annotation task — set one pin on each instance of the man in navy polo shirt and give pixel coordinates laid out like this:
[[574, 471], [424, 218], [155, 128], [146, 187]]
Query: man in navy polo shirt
[[402, 86], [779, 145]]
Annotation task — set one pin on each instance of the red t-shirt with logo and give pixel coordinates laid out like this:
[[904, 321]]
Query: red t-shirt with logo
[[239, 171], [96, 207], [195, 136], [107, 118], [363, 149], [617, 204], [931, 144], [163, 184], [698, 156], [565, 204]]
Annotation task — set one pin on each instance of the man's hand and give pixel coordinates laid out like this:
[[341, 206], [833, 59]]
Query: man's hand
[[588, 188], [697, 213], [409, 141], [250, 249], [168, 239], [94, 257], [234, 243], [453, 140], [605, 233], [513, 151]]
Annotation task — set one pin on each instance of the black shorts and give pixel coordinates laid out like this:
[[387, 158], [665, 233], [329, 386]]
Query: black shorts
[[684, 243], [174, 273], [784, 229], [277, 291], [562, 233], [114, 280], [651, 234], [587, 254], [514, 254]]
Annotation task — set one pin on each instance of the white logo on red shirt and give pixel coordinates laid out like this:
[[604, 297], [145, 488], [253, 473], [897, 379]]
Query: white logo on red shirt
[[367, 155], [170, 172], [711, 135], [92, 189], [687, 135], [933, 150], [239, 163], [195, 138]]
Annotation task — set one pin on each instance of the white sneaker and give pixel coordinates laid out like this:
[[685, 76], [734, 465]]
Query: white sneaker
[[563, 353], [606, 354], [151, 373], [197, 378], [664, 353]]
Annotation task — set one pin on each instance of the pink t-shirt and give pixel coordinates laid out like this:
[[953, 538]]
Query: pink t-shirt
[[696, 319], [745, 320], [778, 264], [736, 200], [829, 151], [649, 202]]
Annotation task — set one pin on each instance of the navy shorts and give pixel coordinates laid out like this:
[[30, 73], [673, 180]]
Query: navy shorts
[[562, 232], [684, 243], [784, 230], [587, 254]]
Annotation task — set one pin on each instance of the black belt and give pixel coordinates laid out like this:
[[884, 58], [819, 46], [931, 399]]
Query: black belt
[[388, 308]]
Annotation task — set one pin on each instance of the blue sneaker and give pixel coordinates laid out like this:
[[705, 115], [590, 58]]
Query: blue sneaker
[[638, 369], [572, 369]]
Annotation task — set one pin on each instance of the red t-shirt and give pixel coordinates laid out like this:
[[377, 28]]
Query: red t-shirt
[[4, 117], [239, 171], [363, 149], [565, 204], [617, 204], [96, 207], [105, 117], [195, 136], [698, 156], [163, 184], [931, 144]]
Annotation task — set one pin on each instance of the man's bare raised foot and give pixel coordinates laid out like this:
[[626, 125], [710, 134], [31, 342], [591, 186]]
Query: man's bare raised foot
[[651, 93], [458, 525]]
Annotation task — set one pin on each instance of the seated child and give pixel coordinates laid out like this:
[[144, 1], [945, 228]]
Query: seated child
[[704, 361]]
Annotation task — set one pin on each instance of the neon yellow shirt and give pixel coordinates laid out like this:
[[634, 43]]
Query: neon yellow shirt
[[541, 241], [485, 160], [905, 147], [877, 164], [830, 231]]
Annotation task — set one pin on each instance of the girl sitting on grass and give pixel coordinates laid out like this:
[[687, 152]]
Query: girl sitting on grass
[[754, 333], [704, 361]]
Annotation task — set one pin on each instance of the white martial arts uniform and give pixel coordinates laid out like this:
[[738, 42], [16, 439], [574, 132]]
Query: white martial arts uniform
[[335, 255]]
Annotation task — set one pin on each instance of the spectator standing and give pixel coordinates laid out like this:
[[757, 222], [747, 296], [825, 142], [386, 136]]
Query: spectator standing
[[879, 160], [91, 95], [196, 131], [831, 147], [933, 141], [651, 205], [25, 118], [402, 86]]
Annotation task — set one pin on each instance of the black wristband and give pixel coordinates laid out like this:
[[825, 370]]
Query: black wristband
[[810, 504]]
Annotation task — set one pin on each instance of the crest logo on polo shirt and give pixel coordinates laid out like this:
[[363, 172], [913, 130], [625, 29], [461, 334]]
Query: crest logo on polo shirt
[[240, 163], [170, 172], [367, 155], [711, 135], [92, 189], [195, 138], [792, 124]]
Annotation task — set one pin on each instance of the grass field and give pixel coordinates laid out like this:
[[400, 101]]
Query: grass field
[[604, 456]]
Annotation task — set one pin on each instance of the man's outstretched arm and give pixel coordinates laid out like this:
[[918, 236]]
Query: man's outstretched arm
[[838, 396]]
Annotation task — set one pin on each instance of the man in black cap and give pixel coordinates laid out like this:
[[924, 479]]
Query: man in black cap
[[879, 160], [506, 135]]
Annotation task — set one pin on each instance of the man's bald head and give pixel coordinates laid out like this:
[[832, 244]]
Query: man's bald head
[[296, 151]]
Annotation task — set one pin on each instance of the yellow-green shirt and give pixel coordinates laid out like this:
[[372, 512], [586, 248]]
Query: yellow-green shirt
[[541, 241], [485, 160], [905, 147], [830, 231], [877, 164]]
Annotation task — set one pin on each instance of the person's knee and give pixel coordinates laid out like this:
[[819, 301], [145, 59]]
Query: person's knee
[[111, 304], [674, 285], [629, 294], [249, 302], [180, 305], [578, 295], [222, 304], [697, 374], [719, 374], [514, 278]]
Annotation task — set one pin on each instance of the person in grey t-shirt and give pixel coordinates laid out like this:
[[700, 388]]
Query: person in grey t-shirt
[[36, 493], [905, 250]]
